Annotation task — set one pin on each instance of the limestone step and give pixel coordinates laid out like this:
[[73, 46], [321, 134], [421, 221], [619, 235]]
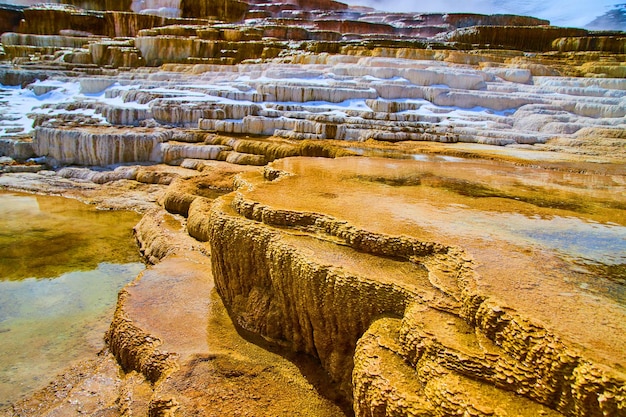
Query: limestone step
[[172, 321], [384, 380]]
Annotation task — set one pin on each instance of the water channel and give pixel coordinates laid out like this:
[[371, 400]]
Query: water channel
[[62, 264]]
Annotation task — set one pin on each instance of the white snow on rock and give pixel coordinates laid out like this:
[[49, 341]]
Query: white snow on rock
[[386, 99]]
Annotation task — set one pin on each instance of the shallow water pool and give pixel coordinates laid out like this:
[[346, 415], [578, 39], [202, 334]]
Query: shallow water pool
[[62, 264]]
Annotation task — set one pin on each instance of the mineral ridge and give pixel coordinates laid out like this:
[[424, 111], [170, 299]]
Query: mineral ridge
[[346, 211]]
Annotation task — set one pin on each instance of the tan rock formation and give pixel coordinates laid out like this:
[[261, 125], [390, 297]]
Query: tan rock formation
[[288, 271], [10, 17], [613, 44], [173, 153], [127, 24], [435, 354], [321, 33], [354, 27], [532, 38], [421, 284], [57, 41], [97, 146], [189, 114], [122, 5], [20, 149], [151, 174], [380, 98], [125, 116], [216, 179], [228, 10], [161, 49], [319, 4], [51, 20], [391, 387], [459, 20], [204, 355]]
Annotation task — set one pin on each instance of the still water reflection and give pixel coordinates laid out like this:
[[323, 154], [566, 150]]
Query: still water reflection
[[486, 207], [61, 266]]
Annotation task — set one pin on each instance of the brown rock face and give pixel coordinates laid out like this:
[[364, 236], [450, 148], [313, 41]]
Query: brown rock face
[[52, 20], [216, 179], [523, 38], [459, 20], [320, 4], [325, 27], [354, 26], [121, 5], [615, 44], [126, 24], [209, 367], [10, 18], [9, 76], [228, 10]]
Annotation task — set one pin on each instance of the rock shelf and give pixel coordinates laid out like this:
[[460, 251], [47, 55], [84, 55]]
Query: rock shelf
[[346, 211], [338, 97], [400, 316], [296, 275]]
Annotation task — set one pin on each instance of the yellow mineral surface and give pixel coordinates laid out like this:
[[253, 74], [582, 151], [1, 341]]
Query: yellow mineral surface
[[344, 211], [478, 291]]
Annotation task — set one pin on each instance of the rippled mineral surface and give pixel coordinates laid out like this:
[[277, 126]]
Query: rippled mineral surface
[[475, 268], [344, 211]]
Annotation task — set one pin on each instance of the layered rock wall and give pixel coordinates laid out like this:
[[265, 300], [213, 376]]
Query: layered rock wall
[[615, 44], [53, 20], [16, 149], [127, 24], [136, 350], [399, 323], [522, 38], [56, 41], [228, 10], [93, 147], [284, 29], [121, 5], [442, 347], [17, 77], [383, 99], [299, 303], [10, 17], [459, 20]]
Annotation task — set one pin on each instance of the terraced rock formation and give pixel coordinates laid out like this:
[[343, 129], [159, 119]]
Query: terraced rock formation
[[229, 32], [424, 213], [192, 111], [404, 324]]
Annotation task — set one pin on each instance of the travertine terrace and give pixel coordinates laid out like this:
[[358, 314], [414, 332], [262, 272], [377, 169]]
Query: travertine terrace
[[346, 211]]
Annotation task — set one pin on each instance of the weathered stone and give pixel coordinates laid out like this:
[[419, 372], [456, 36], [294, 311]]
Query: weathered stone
[[228, 10], [216, 179], [10, 16], [480, 340], [127, 24], [615, 44], [460, 20], [538, 38], [360, 263], [51, 20], [97, 146], [17, 149], [14, 77], [122, 5]]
